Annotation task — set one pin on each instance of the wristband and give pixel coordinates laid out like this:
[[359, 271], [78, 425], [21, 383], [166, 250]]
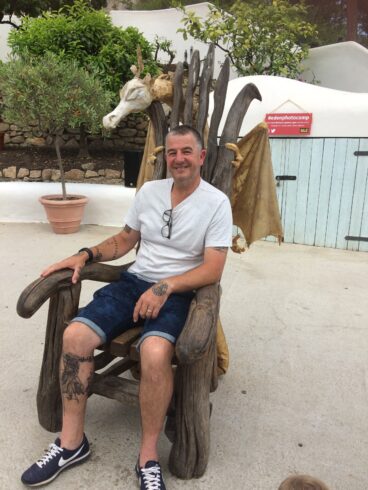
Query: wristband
[[89, 252]]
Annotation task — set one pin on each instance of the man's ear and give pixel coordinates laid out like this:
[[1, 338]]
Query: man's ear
[[203, 155]]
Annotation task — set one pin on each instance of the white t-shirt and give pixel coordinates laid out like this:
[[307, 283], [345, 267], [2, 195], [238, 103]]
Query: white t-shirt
[[203, 219]]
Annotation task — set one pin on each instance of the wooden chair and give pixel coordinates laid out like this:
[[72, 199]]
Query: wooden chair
[[188, 419], [195, 363]]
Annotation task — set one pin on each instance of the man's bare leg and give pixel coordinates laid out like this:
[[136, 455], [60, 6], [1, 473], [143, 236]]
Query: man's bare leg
[[155, 392], [76, 375]]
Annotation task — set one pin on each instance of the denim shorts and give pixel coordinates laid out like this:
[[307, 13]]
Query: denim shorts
[[110, 313]]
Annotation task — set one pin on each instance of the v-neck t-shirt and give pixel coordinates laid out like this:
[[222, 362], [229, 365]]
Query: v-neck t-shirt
[[203, 219]]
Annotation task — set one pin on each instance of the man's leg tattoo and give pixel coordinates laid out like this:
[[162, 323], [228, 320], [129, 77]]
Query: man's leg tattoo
[[71, 385]]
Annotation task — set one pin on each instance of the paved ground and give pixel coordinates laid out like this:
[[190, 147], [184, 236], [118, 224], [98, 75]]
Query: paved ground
[[295, 397]]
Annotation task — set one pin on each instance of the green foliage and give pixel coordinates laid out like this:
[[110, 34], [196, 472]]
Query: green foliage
[[53, 94], [79, 33], [34, 8], [164, 45], [260, 37], [157, 4]]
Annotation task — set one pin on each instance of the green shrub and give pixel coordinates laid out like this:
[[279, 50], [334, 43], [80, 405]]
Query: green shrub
[[53, 94], [87, 36]]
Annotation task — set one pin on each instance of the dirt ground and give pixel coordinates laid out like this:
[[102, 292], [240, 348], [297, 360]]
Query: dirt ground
[[45, 157]]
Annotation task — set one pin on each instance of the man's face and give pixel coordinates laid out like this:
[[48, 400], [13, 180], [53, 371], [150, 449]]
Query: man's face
[[184, 158]]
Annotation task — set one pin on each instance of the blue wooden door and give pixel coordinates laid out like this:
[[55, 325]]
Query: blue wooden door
[[322, 189]]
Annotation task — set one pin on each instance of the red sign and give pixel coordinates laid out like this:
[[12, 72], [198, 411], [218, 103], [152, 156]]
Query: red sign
[[289, 123]]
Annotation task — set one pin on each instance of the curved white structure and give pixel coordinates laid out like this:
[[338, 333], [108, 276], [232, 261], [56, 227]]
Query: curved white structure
[[107, 204], [335, 113], [342, 66]]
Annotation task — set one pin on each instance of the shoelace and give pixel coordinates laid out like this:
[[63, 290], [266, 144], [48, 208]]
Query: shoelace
[[151, 477], [50, 453]]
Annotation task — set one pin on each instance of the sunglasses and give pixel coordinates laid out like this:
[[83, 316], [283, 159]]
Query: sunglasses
[[166, 229]]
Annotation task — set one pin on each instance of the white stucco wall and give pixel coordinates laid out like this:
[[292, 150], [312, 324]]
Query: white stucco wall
[[165, 23], [335, 113], [4, 31], [342, 66], [107, 205]]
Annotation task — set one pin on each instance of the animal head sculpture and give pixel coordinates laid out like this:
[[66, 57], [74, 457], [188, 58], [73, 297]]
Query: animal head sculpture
[[135, 96], [138, 94]]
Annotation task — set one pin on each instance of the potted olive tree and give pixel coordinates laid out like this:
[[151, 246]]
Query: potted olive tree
[[54, 94]]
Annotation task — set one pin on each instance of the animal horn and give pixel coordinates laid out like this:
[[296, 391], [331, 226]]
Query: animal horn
[[134, 70], [140, 61], [137, 71]]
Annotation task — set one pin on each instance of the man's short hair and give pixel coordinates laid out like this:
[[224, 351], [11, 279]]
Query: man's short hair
[[186, 129]]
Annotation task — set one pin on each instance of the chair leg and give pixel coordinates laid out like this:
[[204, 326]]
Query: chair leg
[[190, 451], [63, 307]]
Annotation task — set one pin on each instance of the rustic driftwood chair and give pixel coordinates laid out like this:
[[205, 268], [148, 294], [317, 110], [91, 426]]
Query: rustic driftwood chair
[[188, 418]]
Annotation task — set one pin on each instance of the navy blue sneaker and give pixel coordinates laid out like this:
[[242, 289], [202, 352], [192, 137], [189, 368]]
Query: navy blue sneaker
[[150, 476], [54, 461]]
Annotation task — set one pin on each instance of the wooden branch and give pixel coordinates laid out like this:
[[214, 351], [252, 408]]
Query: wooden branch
[[34, 295], [159, 123], [190, 451], [204, 89], [192, 83], [103, 359], [200, 328], [178, 96], [63, 307], [219, 98], [223, 171], [120, 346], [119, 367], [120, 389]]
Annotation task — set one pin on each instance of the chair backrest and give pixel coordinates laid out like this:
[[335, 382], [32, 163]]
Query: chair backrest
[[192, 108]]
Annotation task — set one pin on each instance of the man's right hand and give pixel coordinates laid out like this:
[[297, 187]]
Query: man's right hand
[[75, 262]]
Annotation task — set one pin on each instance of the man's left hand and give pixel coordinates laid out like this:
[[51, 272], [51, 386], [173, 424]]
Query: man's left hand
[[151, 302]]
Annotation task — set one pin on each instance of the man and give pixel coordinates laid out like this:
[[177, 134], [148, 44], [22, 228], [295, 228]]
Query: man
[[184, 226]]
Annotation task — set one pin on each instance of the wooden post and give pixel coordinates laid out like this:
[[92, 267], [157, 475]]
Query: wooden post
[[190, 451], [63, 307], [352, 20]]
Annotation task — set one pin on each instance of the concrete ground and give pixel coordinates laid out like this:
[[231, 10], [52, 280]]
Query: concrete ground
[[293, 401]]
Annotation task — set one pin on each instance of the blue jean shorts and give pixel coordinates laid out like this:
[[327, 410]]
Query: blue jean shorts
[[110, 313]]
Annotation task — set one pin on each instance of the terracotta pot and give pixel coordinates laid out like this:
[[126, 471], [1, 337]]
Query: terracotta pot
[[64, 216]]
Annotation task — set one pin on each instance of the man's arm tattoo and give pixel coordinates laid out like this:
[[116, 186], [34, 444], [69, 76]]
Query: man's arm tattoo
[[115, 255], [98, 255], [221, 249], [160, 289], [71, 385]]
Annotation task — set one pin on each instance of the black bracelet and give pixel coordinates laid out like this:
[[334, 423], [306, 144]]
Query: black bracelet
[[90, 254]]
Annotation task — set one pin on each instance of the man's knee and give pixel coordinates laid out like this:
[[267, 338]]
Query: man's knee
[[156, 354], [80, 339]]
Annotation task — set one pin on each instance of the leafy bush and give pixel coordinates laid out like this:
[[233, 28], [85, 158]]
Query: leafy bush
[[260, 37], [53, 94], [87, 36]]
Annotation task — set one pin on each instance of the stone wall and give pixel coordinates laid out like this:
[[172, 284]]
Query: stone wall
[[131, 134], [106, 176]]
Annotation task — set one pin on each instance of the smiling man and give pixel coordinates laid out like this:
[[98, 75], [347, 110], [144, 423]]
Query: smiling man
[[184, 226]]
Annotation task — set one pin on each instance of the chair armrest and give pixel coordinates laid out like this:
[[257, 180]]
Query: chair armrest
[[200, 328], [34, 295]]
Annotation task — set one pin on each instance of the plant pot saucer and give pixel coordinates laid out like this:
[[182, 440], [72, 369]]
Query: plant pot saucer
[[64, 216]]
